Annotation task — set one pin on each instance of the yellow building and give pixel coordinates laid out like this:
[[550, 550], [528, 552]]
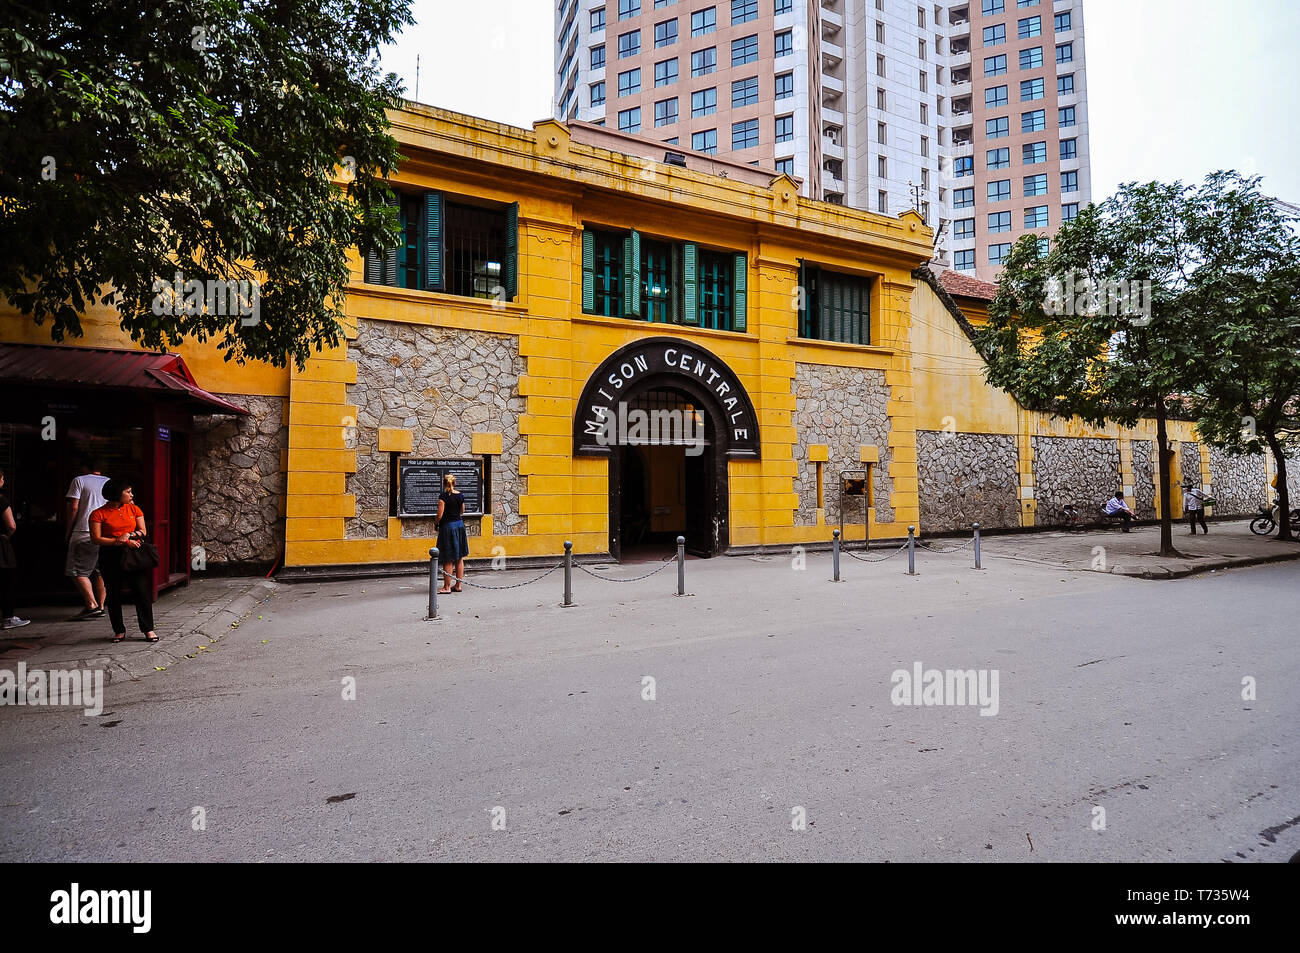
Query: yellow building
[[577, 284], [614, 343]]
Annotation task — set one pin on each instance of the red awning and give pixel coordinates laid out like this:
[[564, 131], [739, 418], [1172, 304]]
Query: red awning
[[157, 373]]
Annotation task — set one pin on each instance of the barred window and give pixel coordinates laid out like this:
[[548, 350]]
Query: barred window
[[450, 246]]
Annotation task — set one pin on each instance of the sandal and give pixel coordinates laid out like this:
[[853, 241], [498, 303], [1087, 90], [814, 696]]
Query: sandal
[[147, 638], [118, 638], [443, 592]]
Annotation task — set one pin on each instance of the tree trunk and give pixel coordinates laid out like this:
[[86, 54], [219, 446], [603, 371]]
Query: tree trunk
[[1284, 498], [1166, 471]]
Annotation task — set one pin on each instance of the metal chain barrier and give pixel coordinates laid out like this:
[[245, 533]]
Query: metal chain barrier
[[880, 559], [955, 549], [517, 585], [667, 562]]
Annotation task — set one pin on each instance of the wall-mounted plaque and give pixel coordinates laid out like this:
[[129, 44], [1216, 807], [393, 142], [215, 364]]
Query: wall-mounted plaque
[[420, 483]]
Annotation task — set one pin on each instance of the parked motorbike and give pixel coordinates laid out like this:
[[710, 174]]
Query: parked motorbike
[[1266, 521]]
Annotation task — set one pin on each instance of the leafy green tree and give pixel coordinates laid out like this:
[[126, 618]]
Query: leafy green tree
[[1091, 328], [199, 137], [1165, 298], [1249, 397]]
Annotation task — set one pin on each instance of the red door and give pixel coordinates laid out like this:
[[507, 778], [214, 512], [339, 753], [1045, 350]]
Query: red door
[[179, 542], [160, 526], [168, 501]]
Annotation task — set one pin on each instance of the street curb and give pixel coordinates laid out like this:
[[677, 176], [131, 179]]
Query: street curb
[[132, 666], [1158, 573]]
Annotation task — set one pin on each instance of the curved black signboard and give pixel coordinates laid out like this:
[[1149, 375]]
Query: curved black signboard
[[664, 362]]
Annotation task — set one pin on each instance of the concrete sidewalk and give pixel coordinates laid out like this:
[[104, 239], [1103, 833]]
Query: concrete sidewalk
[[191, 619], [1229, 545], [187, 619]]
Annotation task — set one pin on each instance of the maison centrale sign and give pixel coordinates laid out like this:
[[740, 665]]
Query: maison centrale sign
[[603, 417]]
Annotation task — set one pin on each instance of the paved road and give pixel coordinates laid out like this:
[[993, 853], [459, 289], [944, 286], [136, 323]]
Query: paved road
[[772, 692]]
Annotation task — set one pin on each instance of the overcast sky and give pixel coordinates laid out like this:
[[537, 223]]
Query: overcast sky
[[1176, 88]]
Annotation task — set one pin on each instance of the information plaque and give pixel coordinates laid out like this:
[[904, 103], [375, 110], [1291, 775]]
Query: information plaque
[[420, 483]]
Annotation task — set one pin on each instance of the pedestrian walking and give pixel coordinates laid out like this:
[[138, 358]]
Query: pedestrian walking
[[118, 527], [85, 495], [8, 563], [1116, 508], [1194, 500], [453, 544]]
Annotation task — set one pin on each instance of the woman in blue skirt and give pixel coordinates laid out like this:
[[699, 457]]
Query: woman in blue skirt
[[453, 544]]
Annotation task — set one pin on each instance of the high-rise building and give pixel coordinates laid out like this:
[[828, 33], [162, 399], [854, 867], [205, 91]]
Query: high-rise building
[[973, 112]]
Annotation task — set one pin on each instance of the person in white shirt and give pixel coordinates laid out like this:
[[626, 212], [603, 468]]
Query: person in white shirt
[[1194, 504], [1116, 507], [84, 496]]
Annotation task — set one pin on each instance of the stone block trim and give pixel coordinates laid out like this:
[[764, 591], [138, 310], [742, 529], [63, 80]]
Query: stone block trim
[[1144, 479], [239, 483], [966, 478], [1079, 470], [1239, 484], [843, 408], [443, 385]]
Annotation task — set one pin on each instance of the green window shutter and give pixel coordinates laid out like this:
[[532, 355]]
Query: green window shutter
[[804, 300], [866, 313], [675, 282], [741, 286], [381, 264], [390, 256], [512, 251], [627, 276], [588, 272], [690, 284], [433, 241], [390, 268], [832, 310], [632, 275]]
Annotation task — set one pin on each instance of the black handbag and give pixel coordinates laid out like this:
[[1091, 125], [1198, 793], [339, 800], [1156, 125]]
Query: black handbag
[[146, 557], [8, 558]]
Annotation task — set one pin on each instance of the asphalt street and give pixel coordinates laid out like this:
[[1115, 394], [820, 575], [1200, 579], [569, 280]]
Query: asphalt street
[[515, 729]]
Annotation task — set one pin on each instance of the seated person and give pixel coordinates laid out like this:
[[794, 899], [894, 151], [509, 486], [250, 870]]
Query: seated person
[[1116, 508]]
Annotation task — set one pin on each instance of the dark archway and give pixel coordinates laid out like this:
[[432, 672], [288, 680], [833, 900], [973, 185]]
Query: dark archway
[[647, 370]]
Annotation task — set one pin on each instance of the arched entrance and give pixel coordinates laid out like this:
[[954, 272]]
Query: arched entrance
[[668, 415]]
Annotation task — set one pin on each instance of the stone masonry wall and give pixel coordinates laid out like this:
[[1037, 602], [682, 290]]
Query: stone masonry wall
[[239, 482], [1239, 484], [1144, 480], [443, 385], [1292, 481], [1079, 470], [844, 408], [1189, 463], [965, 478]]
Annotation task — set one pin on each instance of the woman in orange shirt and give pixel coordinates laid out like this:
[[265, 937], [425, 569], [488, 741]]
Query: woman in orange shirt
[[115, 526]]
